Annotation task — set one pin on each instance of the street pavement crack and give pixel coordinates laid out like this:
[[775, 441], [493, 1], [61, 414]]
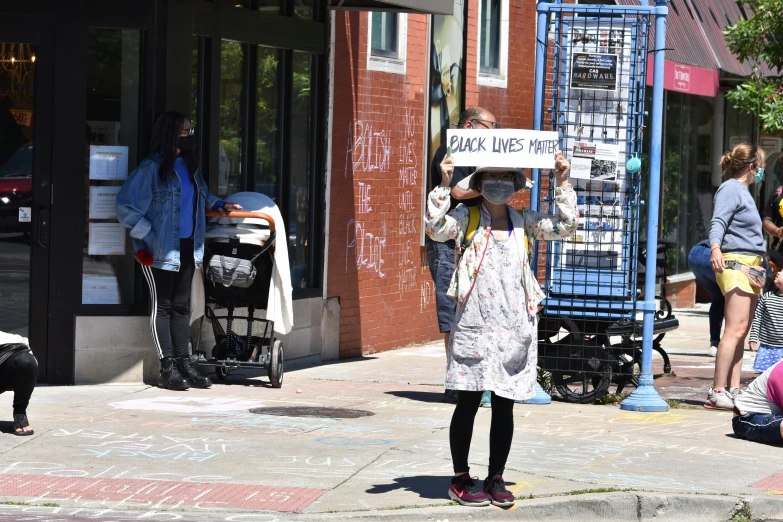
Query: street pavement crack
[[27, 439]]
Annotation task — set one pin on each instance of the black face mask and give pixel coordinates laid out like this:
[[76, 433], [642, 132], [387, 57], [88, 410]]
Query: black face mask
[[186, 143]]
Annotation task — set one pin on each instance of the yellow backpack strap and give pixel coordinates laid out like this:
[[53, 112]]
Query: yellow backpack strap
[[528, 244], [473, 223], [780, 207]]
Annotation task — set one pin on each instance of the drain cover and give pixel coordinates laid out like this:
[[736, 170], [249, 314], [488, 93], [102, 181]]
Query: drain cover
[[312, 411]]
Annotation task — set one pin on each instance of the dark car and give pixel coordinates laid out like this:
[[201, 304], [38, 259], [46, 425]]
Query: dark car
[[16, 189]]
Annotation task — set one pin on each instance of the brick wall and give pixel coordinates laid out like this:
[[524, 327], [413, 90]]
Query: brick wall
[[376, 266]]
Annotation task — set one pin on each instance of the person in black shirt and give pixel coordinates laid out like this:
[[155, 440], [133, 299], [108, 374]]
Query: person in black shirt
[[773, 219], [440, 256]]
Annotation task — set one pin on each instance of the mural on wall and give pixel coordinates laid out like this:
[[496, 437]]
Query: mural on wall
[[447, 81]]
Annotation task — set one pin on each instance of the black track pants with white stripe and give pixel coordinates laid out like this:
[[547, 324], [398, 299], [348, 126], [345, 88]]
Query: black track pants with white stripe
[[170, 295]]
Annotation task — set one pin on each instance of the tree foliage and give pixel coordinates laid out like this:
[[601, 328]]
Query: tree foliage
[[759, 39]]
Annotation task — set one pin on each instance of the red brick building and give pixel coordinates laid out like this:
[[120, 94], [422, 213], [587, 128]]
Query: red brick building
[[375, 260]]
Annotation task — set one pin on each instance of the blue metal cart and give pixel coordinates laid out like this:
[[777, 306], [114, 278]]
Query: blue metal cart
[[598, 326]]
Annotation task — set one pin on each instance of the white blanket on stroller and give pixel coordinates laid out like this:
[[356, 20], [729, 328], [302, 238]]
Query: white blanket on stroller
[[280, 307]]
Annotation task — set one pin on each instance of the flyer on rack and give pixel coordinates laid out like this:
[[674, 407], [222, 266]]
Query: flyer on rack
[[595, 161], [106, 239], [108, 162], [594, 71], [103, 202]]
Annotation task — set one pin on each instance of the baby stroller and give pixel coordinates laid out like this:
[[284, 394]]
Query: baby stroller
[[238, 267]]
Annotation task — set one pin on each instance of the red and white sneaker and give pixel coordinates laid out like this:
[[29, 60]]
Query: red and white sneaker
[[467, 492], [495, 488]]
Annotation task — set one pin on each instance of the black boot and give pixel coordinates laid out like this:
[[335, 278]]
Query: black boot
[[186, 368], [170, 378]]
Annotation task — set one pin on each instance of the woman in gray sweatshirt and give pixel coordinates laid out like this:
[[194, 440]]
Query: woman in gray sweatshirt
[[737, 245]]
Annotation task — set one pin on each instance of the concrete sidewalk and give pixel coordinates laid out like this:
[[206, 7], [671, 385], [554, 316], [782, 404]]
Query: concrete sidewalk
[[140, 453]]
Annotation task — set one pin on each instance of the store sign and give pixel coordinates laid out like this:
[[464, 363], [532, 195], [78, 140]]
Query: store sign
[[23, 118], [687, 78], [682, 77], [594, 71]]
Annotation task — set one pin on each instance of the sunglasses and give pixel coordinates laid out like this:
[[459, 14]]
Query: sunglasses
[[190, 131]]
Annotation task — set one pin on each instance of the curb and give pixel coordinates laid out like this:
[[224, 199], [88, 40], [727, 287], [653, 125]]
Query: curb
[[604, 507], [619, 507]]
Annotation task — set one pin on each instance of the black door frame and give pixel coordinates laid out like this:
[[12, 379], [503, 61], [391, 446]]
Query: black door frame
[[43, 38]]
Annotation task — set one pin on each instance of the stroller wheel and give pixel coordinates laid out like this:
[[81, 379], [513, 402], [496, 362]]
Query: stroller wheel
[[221, 372], [276, 365]]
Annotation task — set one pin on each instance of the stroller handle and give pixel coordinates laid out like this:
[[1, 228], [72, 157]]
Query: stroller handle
[[244, 214]]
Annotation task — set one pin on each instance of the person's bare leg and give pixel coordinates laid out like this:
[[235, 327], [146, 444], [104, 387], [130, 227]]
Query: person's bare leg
[[446, 336], [735, 372], [739, 309]]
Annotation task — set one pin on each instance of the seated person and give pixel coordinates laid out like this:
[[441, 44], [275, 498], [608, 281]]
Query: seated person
[[758, 410], [18, 373]]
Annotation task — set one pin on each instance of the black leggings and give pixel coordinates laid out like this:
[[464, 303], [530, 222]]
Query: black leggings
[[170, 295], [501, 431], [18, 374]]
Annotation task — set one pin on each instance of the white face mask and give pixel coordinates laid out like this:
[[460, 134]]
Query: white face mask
[[497, 191]]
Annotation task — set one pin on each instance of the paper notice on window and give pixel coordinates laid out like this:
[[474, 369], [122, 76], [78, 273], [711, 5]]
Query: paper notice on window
[[103, 202], [100, 290], [597, 161], [513, 148], [106, 239], [108, 162]]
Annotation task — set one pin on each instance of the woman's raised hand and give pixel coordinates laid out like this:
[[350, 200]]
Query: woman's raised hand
[[446, 171], [562, 167]]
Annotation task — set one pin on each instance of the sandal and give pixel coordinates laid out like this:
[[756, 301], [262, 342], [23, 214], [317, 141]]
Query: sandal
[[20, 421]]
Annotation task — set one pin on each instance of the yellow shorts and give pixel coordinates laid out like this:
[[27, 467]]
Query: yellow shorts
[[731, 279]]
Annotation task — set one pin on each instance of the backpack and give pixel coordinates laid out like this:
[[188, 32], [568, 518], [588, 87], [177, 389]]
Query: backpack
[[473, 224]]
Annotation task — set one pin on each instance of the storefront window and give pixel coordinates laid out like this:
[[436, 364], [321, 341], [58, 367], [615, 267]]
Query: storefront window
[[303, 9], [269, 6], [111, 152], [688, 188], [299, 214], [194, 79], [229, 179], [267, 130]]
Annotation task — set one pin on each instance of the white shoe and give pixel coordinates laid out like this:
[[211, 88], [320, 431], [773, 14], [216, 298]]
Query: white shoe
[[713, 351], [719, 400]]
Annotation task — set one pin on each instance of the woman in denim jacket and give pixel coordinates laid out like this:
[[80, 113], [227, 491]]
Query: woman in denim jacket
[[163, 203]]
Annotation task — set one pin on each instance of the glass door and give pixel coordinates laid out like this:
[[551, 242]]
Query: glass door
[[25, 183]]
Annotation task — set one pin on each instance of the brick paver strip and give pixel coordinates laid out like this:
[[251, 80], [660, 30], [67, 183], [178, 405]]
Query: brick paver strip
[[159, 493], [775, 482]]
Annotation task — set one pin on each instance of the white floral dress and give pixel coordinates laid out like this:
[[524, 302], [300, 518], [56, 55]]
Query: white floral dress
[[493, 345]]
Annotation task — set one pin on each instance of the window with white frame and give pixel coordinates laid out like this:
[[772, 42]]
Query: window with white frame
[[387, 41], [493, 43]]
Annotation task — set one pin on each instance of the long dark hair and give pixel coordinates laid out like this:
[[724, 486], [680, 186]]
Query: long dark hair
[[165, 134]]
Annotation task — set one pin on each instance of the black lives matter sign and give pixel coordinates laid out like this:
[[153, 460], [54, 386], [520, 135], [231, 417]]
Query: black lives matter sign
[[594, 71]]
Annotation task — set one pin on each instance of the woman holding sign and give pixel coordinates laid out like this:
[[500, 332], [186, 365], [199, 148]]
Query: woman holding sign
[[493, 344], [163, 203]]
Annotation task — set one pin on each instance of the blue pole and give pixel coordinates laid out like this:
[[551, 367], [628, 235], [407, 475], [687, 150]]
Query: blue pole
[[538, 99], [645, 398], [541, 397]]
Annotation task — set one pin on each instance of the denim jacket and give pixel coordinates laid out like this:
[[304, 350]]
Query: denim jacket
[[150, 208]]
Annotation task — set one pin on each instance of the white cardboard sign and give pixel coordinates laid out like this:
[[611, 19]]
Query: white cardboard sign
[[513, 148]]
